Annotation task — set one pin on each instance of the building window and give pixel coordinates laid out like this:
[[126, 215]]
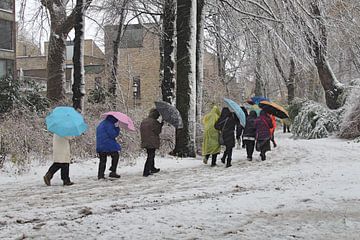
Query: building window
[[7, 5], [6, 36], [136, 87], [6, 68]]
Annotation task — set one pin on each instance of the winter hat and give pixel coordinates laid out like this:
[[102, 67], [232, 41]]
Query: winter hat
[[153, 113]]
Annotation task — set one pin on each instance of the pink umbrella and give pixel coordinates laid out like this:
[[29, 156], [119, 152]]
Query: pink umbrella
[[124, 120]]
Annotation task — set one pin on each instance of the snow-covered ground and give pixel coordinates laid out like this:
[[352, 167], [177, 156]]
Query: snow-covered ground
[[307, 189]]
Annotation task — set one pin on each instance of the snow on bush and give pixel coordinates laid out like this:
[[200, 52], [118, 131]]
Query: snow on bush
[[350, 126], [314, 120]]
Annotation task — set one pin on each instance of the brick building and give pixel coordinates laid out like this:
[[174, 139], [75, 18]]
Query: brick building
[[139, 64], [34, 66], [7, 38]]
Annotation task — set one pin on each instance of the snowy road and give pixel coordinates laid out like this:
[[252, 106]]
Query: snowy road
[[307, 189]]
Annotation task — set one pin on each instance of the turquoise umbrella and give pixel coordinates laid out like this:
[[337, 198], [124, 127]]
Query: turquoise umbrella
[[237, 110], [66, 122]]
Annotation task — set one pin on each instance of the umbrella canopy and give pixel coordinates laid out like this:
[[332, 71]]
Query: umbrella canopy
[[65, 122], [237, 110], [274, 109], [169, 113], [257, 100], [125, 121]]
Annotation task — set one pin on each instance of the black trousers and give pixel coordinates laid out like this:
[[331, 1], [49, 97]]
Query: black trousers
[[64, 170], [227, 155], [150, 160], [213, 158], [102, 163], [250, 145], [286, 127]]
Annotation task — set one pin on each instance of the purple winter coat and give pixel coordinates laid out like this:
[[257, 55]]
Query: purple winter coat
[[263, 124]]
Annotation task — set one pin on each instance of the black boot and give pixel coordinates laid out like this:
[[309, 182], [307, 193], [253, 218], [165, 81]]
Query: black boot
[[47, 178], [155, 170], [68, 182], [114, 175], [228, 163], [145, 174]]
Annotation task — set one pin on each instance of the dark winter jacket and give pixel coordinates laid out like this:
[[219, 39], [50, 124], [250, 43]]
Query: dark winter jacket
[[227, 124], [106, 134], [250, 130], [150, 130], [263, 124]]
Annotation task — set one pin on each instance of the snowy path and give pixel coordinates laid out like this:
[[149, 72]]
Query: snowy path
[[307, 189]]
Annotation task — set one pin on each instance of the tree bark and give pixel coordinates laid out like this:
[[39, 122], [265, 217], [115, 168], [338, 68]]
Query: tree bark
[[56, 67], [61, 24], [199, 67], [78, 86], [168, 83], [289, 81], [115, 59], [186, 77], [219, 50], [333, 89], [258, 80]]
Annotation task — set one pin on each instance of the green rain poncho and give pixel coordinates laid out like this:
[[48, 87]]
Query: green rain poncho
[[211, 135]]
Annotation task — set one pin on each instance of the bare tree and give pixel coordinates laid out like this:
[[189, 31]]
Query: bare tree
[[60, 26], [168, 82], [186, 77], [78, 87]]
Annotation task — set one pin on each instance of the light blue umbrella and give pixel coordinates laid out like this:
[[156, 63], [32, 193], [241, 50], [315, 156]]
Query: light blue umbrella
[[66, 122], [237, 110]]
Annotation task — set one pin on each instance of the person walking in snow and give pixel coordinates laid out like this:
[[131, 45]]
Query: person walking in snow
[[210, 144], [286, 124], [272, 130], [263, 125], [106, 145], [240, 132], [249, 134], [61, 158], [150, 130], [227, 124]]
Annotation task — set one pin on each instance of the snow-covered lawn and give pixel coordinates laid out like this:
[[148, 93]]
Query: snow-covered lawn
[[307, 189]]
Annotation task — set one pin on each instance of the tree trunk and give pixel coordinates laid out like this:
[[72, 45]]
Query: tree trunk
[[168, 83], [56, 66], [199, 67], [290, 83], [115, 58], [199, 56], [78, 87], [186, 77], [258, 81], [219, 50], [61, 24], [333, 89]]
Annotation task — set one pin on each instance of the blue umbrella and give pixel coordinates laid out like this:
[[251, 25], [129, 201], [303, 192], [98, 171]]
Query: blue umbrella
[[237, 110], [66, 122], [257, 100]]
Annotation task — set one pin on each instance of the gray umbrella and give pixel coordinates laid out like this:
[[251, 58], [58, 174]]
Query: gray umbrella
[[169, 113]]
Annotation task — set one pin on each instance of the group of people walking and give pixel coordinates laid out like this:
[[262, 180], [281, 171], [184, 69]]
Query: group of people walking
[[106, 146], [220, 128], [223, 128]]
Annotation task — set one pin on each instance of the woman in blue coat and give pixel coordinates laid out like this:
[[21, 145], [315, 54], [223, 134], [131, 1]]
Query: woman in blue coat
[[106, 145]]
